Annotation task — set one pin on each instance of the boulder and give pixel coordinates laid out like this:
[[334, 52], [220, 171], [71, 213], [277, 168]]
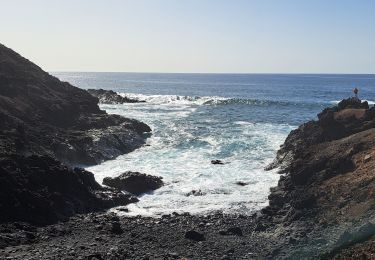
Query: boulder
[[195, 193], [194, 235], [134, 182], [217, 162]]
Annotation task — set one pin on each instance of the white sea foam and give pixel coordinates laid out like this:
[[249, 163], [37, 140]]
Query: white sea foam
[[180, 150], [164, 99]]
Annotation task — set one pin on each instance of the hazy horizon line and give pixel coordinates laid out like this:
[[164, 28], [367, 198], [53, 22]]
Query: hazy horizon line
[[217, 73]]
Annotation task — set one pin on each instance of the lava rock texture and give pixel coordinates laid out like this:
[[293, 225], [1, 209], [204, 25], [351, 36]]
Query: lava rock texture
[[47, 127], [42, 115], [134, 182], [327, 188]]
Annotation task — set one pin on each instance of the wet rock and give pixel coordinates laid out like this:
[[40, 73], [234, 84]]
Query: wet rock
[[194, 235], [195, 193], [134, 182], [41, 190], [111, 97], [217, 162]]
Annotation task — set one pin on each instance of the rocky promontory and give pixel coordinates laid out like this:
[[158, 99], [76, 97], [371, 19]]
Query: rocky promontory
[[111, 97], [47, 128], [325, 197], [42, 115]]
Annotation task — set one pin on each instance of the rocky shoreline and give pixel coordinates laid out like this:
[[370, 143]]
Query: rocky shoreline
[[48, 128], [323, 206]]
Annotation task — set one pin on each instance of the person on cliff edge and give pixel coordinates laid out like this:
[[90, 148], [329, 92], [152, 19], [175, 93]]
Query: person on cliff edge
[[355, 91]]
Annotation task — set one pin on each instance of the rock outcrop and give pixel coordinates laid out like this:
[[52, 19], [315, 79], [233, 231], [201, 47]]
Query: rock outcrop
[[134, 182], [328, 184], [40, 190], [111, 97], [45, 122], [42, 115]]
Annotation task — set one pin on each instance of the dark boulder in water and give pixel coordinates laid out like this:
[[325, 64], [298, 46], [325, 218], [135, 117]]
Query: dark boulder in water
[[134, 182], [195, 193], [111, 97], [241, 183], [217, 162]]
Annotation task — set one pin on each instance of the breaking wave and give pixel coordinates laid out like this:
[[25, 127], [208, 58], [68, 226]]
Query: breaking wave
[[207, 100]]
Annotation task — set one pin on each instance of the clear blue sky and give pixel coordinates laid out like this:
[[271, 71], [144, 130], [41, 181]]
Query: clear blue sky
[[282, 36]]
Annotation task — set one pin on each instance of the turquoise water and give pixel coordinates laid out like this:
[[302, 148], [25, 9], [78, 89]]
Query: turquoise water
[[240, 119]]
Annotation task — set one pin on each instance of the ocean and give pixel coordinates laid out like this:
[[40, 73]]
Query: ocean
[[241, 119]]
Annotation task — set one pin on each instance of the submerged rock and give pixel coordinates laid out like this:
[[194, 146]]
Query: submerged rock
[[241, 183], [134, 182], [195, 193], [111, 97]]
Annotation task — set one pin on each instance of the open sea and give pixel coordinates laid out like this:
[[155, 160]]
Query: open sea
[[241, 119]]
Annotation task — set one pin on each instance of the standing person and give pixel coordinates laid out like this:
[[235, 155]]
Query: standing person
[[355, 91]]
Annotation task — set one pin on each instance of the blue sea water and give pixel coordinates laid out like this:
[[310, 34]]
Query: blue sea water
[[241, 119]]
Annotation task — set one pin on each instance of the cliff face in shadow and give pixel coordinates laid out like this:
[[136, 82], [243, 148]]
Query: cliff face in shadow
[[42, 115], [44, 123], [326, 196]]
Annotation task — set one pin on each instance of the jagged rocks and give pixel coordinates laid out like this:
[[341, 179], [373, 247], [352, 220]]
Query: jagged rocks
[[40, 190], [42, 115], [111, 97], [328, 175], [134, 182]]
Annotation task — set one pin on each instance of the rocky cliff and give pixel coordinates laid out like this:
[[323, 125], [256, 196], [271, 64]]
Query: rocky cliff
[[326, 195], [42, 115], [44, 123]]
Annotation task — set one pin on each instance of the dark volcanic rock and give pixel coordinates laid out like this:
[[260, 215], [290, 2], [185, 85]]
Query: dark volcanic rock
[[40, 190], [111, 97], [349, 117], [241, 183], [194, 235], [134, 182], [39, 114], [195, 193], [217, 162], [329, 177], [44, 120]]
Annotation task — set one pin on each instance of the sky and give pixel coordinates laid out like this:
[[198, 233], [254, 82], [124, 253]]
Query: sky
[[203, 36]]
